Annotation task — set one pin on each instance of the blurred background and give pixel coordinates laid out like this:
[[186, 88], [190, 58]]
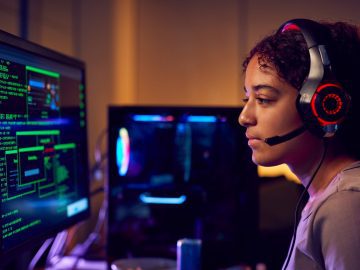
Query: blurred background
[[172, 52], [161, 52]]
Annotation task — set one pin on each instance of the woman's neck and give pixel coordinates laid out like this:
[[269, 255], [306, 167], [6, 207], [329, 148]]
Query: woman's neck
[[333, 162], [327, 172]]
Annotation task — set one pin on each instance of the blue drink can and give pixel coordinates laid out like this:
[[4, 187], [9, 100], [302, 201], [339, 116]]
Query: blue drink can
[[188, 254]]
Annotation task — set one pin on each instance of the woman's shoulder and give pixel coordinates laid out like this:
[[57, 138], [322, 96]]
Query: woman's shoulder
[[341, 199], [349, 179], [344, 202]]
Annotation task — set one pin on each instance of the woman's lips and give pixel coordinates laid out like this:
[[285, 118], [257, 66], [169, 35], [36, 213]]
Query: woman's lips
[[252, 142]]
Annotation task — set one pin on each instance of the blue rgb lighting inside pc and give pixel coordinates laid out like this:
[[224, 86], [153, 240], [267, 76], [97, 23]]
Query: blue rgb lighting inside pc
[[43, 143], [179, 172]]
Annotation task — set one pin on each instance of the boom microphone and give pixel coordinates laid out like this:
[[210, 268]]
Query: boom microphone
[[288, 136]]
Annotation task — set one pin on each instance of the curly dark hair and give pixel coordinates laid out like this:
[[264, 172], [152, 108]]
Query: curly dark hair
[[288, 54]]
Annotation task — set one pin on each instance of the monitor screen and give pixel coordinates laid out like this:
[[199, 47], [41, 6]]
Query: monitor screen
[[43, 143], [179, 172]]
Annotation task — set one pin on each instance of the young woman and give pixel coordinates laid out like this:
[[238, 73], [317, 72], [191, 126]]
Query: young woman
[[302, 108]]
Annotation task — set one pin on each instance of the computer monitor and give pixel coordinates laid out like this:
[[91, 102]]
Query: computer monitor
[[180, 172], [43, 144]]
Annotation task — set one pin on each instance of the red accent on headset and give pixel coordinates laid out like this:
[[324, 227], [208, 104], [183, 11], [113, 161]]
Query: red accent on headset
[[313, 108], [290, 26], [339, 104]]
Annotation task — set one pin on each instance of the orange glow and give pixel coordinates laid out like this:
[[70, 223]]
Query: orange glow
[[277, 171]]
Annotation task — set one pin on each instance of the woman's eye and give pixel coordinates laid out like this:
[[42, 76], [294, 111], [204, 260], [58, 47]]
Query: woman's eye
[[263, 100], [245, 100]]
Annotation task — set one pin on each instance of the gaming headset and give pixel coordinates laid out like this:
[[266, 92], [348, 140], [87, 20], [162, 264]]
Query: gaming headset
[[322, 102]]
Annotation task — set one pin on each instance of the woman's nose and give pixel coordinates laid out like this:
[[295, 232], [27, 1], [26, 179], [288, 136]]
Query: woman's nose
[[246, 117]]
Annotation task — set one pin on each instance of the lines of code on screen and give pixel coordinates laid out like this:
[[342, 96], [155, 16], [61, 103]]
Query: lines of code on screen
[[42, 127]]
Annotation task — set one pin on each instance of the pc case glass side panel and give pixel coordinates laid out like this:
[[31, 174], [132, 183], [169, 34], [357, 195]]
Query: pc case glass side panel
[[203, 158]]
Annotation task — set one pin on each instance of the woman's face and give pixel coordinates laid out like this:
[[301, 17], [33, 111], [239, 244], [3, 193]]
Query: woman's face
[[270, 110]]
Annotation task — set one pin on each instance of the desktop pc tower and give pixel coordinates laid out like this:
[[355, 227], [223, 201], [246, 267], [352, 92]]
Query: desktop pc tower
[[180, 172]]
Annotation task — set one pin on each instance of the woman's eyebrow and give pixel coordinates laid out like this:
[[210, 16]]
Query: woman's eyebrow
[[267, 87], [258, 87]]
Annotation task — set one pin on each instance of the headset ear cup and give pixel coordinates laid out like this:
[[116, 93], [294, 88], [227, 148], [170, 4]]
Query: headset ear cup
[[330, 104]]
